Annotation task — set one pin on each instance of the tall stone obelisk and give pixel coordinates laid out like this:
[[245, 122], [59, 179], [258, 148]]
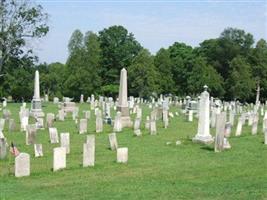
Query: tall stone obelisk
[[123, 100], [203, 132], [36, 108]]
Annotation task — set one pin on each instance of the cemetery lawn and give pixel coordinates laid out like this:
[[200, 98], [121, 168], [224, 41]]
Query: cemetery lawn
[[154, 171]]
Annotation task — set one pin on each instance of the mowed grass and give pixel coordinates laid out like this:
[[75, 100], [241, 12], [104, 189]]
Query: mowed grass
[[154, 171]]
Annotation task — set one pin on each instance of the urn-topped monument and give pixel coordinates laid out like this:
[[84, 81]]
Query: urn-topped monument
[[36, 107], [203, 133]]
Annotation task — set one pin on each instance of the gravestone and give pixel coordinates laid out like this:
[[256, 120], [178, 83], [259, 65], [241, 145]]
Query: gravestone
[[83, 126], [220, 128], [89, 151], [228, 127], [59, 158], [254, 126], [65, 141], [239, 127], [122, 155], [31, 134], [53, 134], [3, 148], [165, 118], [117, 123], [147, 124], [203, 133], [50, 117], [87, 114], [137, 132], [99, 122], [2, 124], [24, 123], [11, 125], [22, 165], [38, 150], [137, 123], [61, 115], [113, 141], [39, 123], [153, 127], [190, 115]]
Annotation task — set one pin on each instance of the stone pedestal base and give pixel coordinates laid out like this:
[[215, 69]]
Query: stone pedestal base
[[37, 113], [126, 122], [36, 109], [124, 110], [203, 139]]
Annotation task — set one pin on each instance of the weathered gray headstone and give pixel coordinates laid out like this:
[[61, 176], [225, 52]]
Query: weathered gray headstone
[[11, 125], [99, 122], [220, 128], [50, 117], [3, 148], [22, 165], [89, 152], [61, 115], [113, 141], [153, 127], [53, 135], [38, 150], [65, 141], [239, 127], [59, 158], [122, 155], [117, 123], [228, 127], [31, 134], [83, 126]]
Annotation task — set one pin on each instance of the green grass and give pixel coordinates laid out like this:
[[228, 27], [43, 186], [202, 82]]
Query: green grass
[[154, 171]]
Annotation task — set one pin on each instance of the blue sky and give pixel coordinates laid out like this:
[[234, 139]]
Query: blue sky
[[155, 24]]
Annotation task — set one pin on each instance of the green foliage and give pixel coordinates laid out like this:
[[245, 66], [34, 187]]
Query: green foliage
[[142, 75], [163, 65], [83, 66], [119, 48], [19, 20], [240, 83]]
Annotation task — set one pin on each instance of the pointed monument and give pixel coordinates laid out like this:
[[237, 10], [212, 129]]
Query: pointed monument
[[36, 108], [203, 132], [123, 100]]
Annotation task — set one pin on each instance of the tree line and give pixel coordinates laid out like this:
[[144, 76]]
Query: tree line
[[233, 65]]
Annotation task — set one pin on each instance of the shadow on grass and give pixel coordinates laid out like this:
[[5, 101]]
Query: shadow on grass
[[208, 148]]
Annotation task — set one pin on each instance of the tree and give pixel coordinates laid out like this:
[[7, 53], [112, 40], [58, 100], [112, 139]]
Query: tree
[[83, 66], [240, 84], [258, 60], [20, 21], [163, 65], [180, 53], [203, 74], [119, 48], [142, 75]]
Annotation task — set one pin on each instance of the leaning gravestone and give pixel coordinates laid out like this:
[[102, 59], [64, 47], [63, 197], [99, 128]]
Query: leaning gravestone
[[3, 148], [53, 135], [31, 134], [113, 141], [220, 128], [83, 126], [89, 151], [65, 141], [22, 165], [59, 158], [122, 155], [38, 150]]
